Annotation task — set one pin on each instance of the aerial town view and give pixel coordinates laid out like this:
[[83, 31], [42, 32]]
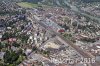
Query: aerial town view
[[49, 32]]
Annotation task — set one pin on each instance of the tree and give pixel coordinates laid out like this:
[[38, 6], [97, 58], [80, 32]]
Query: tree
[[20, 51], [8, 35], [22, 27], [35, 48], [34, 1], [10, 57], [46, 53], [5, 36], [1, 45], [15, 44], [1, 64], [24, 38]]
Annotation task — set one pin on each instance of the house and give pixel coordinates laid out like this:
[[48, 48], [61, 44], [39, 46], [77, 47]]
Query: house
[[1, 55], [0, 37], [2, 25]]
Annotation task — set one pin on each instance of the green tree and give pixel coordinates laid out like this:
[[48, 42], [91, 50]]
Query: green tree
[[15, 44], [10, 57], [1, 45], [24, 38]]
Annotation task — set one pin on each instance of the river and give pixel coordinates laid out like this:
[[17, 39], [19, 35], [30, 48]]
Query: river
[[74, 8]]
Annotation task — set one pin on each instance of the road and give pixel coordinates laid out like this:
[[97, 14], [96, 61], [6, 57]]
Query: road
[[79, 50], [74, 8]]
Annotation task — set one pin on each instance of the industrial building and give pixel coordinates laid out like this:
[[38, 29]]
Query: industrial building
[[51, 24]]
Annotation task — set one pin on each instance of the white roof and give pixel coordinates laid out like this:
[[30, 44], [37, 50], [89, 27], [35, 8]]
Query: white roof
[[98, 47], [0, 36]]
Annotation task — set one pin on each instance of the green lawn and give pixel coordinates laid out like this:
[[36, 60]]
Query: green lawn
[[27, 5]]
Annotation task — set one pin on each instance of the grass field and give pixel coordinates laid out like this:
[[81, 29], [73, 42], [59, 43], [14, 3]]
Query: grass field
[[27, 5]]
